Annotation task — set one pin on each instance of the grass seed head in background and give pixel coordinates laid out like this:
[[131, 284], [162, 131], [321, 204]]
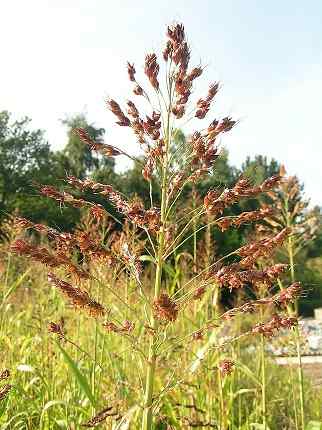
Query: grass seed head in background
[[154, 308]]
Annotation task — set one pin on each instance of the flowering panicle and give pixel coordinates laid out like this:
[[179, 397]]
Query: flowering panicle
[[234, 277], [102, 416], [262, 248], [126, 328], [96, 209], [114, 107], [271, 327], [226, 367], [151, 69], [288, 295], [57, 329], [244, 217], [216, 203], [78, 298], [4, 391], [203, 105], [4, 374], [107, 150], [149, 219], [64, 240], [94, 250], [42, 255], [164, 308], [283, 298]]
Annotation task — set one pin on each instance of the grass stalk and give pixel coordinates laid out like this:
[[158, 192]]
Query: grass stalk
[[152, 357]]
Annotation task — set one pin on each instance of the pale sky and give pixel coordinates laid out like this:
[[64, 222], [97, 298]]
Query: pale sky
[[60, 57]]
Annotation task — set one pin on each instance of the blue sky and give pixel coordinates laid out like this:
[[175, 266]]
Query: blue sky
[[65, 56]]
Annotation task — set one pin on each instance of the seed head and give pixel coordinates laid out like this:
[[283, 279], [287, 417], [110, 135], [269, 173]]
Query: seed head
[[164, 308], [4, 391], [131, 71], [226, 367], [4, 374]]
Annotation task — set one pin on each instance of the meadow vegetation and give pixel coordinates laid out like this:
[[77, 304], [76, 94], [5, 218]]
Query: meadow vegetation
[[156, 309]]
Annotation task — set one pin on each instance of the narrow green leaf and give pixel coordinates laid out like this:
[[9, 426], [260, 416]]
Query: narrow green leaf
[[16, 284], [81, 379]]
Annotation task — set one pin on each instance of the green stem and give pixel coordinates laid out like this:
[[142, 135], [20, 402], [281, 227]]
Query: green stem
[[152, 357], [290, 250], [264, 411]]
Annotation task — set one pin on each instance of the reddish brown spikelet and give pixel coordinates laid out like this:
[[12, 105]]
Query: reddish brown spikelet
[[195, 73], [271, 327], [203, 105], [126, 328], [262, 248], [107, 150], [131, 71], [164, 308], [226, 367], [97, 211], [84, 137], [89, 247], [42, 255], [56, 329], [62, 197], [289, 294], [215, 203], [244, 217], [234, 277], [4, 374], [197, 335], [199, 292], [63, 239], [178, 111], [100, 417], [78, 298], [138, 91], [151, 69], [114, 107], [132, 110], [4, 391], [270, 183]]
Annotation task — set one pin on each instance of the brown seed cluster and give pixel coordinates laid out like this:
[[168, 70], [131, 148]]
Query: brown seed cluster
[[94, 250], [151, 69], [244, 218], [114, 107], [289, 294], [102, 416], [64, 240], [164, 308], [4, 391], [283, 298], [68, 241], [233, 276], [226, 367], [107, 150], [262, 248], [4, 374], [271, 327], [63, 197], [203, 105], [215, 202], [126, 328], [57, 329], [149, 219], [42, 255], [78, 298]]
